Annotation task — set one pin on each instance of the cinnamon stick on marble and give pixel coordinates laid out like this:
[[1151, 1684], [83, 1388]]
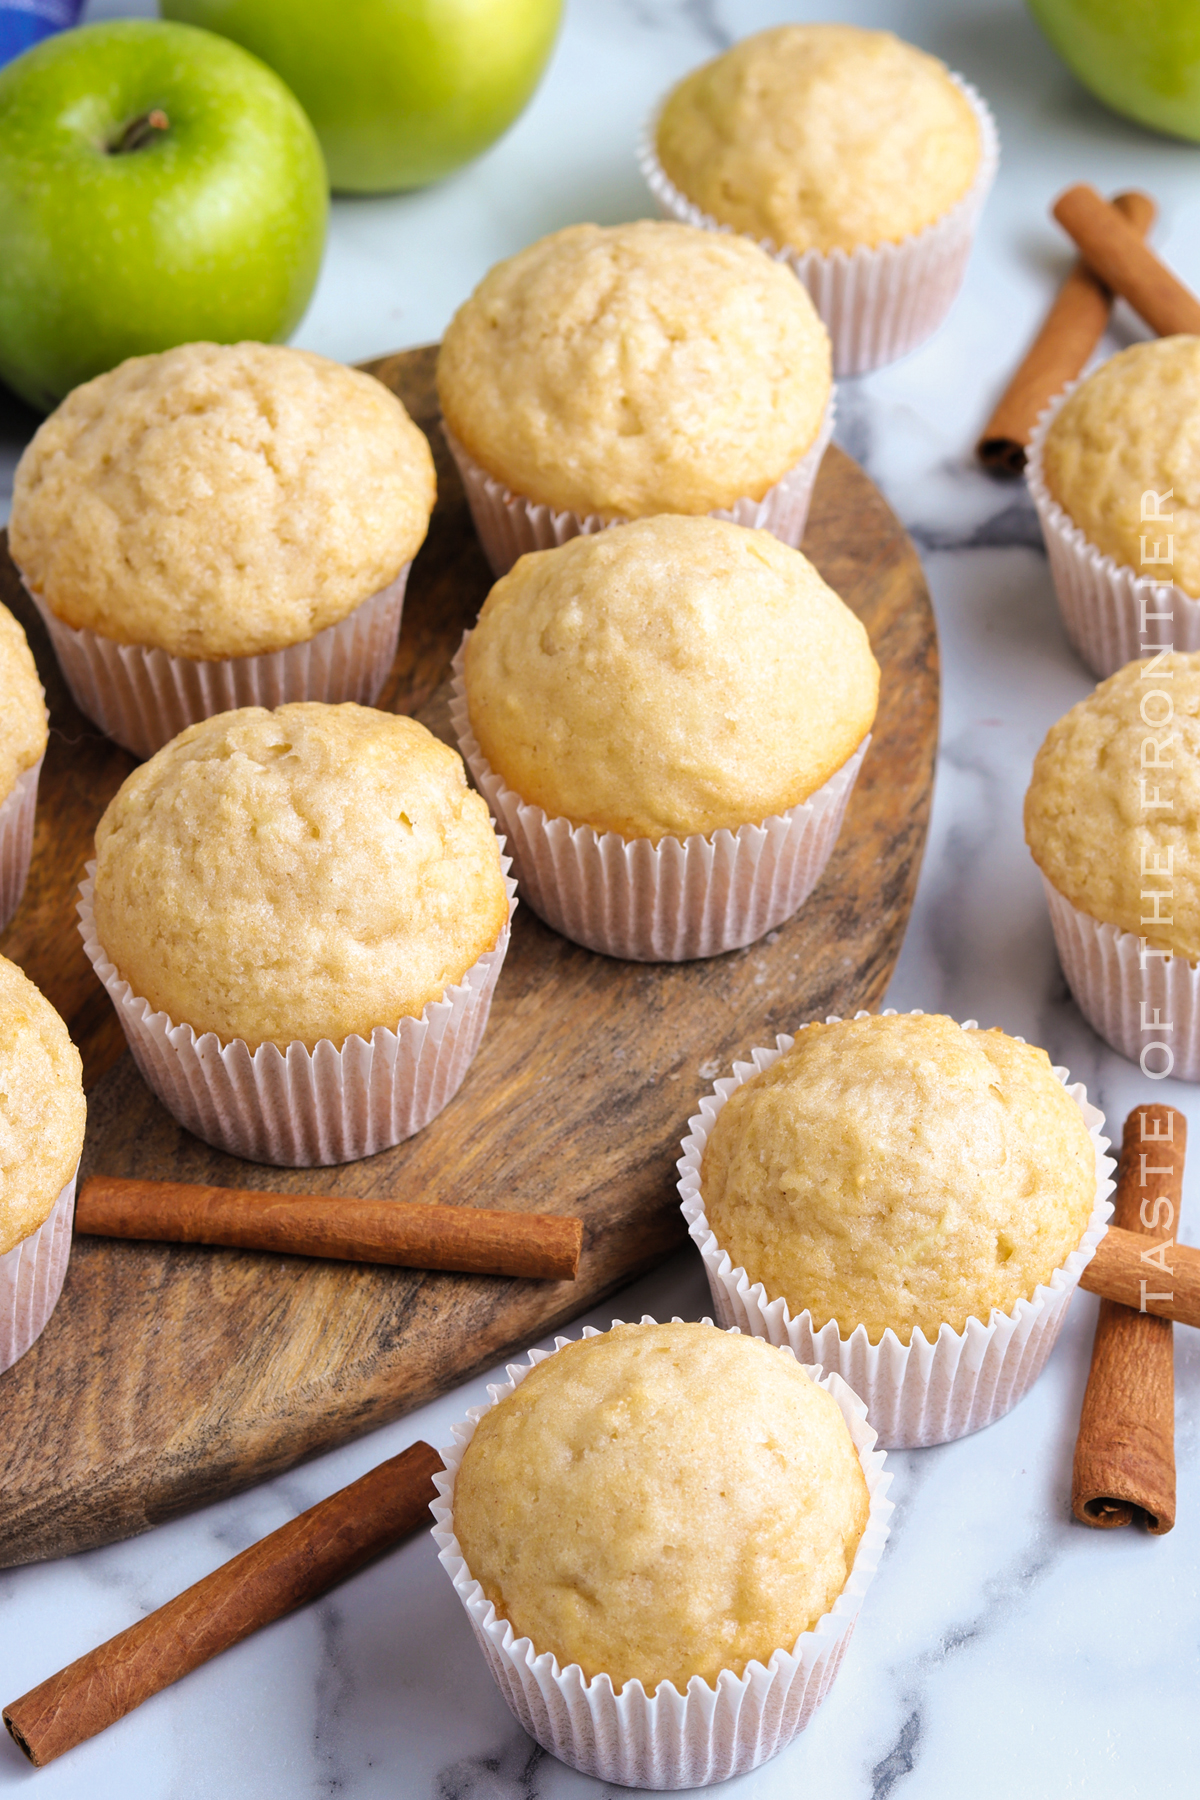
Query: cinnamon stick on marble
[[1112, 248], [1125, 1451], [291, 1566], [469, 1239], [1074, 326], [1127, 1265]]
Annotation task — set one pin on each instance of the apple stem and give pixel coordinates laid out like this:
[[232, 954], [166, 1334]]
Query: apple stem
[[139, 132]]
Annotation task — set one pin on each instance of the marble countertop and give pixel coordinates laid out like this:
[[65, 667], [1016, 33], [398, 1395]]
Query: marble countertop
[[1002, 1647]]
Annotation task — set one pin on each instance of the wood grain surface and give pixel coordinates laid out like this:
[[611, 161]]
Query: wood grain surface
[[171, 1375]]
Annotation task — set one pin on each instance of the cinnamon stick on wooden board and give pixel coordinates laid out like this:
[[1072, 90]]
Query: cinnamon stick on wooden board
[[1125, 1451], [1112, 248], [469, 1239], [1074, 326], [282, 1571]]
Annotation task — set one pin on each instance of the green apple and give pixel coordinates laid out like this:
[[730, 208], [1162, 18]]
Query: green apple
[[157, 186], [401, 91], [1141, 57]]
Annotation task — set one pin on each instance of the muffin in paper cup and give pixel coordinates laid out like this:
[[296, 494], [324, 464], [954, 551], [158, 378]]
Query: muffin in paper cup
[[1112, 615], [666, 1739], [877, 302], [1116, 985], [510, 525], [17, 812], [299, 1107], [31, 1278], [919, 1393], [142, 697], [673, 901]]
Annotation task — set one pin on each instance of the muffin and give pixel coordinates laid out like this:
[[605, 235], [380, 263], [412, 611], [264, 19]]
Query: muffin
[[23, 737], [1114, 471], [830, 144], [1112, 819], [42, 1112], [894, 1183], [658, 1508], [308, 886], [221, 524], [613, 373], [629, 699]]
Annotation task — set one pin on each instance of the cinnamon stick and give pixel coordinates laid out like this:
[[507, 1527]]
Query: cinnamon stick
[[470, 1239], [1114, 251], [1128, 1266], [291, 1566], [1074, 326], [1125, 1451]]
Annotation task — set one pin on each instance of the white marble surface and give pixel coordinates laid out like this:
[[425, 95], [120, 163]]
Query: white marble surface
[[1002, 1648]]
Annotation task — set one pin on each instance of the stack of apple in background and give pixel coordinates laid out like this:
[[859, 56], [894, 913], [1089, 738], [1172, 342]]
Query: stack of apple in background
[[161, 185]]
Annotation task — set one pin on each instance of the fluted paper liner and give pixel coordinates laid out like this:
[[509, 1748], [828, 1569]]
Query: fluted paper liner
[[918, 1393], [668, 1739], [142, 697], [31, 1278], [16, 839], [302, 1107], [1102, 965], [879, 302], [1112, 615], [510, 525], [667, 902]]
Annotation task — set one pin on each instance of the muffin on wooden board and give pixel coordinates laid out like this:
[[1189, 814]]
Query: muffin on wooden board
[[42, 1115], [609, 373], [857, 157], [23, 738], [212, 508], [630, 700], [300, 884], [1114, 470], [1112, 819], [879, 1186], [651, 1513]]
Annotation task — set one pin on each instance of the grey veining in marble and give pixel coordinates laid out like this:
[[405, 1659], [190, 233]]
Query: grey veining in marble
[[1003, 1649]]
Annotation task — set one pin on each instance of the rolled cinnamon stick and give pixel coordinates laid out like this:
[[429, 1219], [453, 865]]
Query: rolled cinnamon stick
[[291, 1566], [1112, 248], [1073, 327], [1129, 1266], [469, 1239], [1125, 1450]]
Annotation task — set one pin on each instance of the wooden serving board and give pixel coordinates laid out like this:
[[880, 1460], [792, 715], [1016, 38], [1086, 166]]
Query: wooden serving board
[[170, 1376]]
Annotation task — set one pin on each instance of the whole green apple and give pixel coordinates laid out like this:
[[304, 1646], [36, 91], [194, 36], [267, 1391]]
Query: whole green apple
[[401, 91], [1141, 57], [157, 186]]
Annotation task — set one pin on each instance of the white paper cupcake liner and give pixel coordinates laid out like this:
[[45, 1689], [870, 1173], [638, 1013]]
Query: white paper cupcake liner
[[669, 1739], [877, 303], [919, 1393], [142, 698], [16, 839], [672, 901], [509, 525], [304, 1107], [1120, 999], [31, 1278], [1112, 614]]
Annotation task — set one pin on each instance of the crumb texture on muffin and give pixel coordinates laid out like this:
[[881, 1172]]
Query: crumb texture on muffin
[[672, 676], [307, 873], [23, 731], [900, 1171], [1128, 434], [42, 1109], [821, 137], [1135, 739], [220, 500], [636, 369], [662, 1501]]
